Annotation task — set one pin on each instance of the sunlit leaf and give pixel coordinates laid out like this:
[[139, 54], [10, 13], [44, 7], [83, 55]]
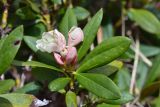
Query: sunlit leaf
[[6, 85], [58, 84], [105, 53], [35, 64], [145, 19], [96, 82], [90, 31], [81, 13], [69, 20], [9, 47], [71, 100], [19, 100]]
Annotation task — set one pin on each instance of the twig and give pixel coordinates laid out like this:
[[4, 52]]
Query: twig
[[123, 17], [133, 78], [100, 35], [5, 14], [142, 56]]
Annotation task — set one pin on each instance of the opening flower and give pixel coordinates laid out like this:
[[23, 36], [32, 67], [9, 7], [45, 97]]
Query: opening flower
[[54, 42]]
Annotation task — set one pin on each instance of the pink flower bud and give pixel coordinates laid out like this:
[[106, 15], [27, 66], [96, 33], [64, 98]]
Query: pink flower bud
[[58, 59], [75, 36], [71, 57]]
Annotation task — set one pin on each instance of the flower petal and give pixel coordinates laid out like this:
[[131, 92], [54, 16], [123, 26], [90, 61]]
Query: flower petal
[[75, 36], [58, 59], [71, 57], [52, 41]]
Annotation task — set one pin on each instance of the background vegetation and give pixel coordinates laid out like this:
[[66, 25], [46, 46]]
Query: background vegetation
[[137, 71]]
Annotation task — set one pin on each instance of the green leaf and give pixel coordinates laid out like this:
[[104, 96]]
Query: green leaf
[[81, 13], [107, 45], [5, 103], [9, 47], [99, 84], [57, 1], [36, 64], [145, 19], [107, 69], [34, 6], [6, 85], [107, 105], [153, 50], [69, 20], [58, 84], [108, 30], [35, 30], [122, 79], [30, 88], [155, 102], [31, 42], [101, 55], [71, 100], [154, 71], [19, 100], [125, 98], [44, 75], [90, 31], [26, 13], [142, 71]]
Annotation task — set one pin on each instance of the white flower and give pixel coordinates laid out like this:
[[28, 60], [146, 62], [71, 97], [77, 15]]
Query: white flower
[[52, 41], [38, 103]]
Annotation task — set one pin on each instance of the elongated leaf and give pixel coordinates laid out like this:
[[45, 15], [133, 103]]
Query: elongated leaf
[[105, 53], [154, 72], [142, 71], [19, 100], [5, 103], [6, 85], [44, 74], [155, 102], [150, 89], [26, 13], [99, 84], [59, 2], [9, 47], [108, 30], [69, 20], [58, 84], [81, 13], [33, 6], [122, 79], [107, 105], [35, 64], [107, 69], [125, 98], [30, 88], [106, 45], [71, 99], [90, 31], [153, 50], [145, 19], [36, 30], [31, 42]]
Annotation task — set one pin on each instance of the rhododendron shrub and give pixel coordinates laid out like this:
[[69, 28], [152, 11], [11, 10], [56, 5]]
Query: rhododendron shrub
[[78, 67]]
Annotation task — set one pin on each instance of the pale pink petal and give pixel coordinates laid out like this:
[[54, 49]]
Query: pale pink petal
[[71, 57], [58, 59], [75, 36], [60, 39]]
